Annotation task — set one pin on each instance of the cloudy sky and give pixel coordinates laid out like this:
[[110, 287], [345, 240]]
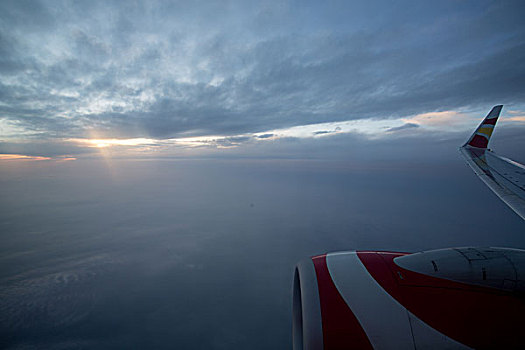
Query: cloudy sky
[[165, 164], [169, 76]]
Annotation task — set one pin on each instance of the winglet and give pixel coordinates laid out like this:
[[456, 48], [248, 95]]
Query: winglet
[[480, 138]]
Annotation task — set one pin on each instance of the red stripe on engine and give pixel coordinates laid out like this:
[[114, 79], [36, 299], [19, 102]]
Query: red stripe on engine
[[480, 317], [341, 329]]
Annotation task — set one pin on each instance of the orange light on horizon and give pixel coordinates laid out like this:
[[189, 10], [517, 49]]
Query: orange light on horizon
[[435, 119], [22, 157], [517, 119]]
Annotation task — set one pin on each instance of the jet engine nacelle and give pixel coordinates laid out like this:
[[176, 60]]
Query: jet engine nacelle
[[455, 298]]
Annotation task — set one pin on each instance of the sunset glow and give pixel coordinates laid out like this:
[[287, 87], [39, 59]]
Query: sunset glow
[[21, 157]]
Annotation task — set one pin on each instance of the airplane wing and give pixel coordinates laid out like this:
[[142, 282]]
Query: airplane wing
[[454, 298], [503, 176]]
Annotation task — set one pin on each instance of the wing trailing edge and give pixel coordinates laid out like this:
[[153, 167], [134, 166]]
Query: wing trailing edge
[[506, 178]]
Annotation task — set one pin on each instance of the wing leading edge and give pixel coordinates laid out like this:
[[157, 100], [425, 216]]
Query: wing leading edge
[[503, 176]]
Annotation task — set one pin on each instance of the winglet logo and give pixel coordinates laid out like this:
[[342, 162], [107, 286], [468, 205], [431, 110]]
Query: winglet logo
[[481, 136]]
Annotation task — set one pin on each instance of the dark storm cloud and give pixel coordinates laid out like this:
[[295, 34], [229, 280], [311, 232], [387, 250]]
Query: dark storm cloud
[[162, 70]]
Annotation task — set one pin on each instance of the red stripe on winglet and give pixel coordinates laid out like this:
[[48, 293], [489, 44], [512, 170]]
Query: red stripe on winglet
[[479, 142], [341, 329], [491, 121]]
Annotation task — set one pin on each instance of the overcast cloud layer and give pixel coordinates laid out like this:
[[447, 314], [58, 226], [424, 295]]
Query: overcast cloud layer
[[166, 69]]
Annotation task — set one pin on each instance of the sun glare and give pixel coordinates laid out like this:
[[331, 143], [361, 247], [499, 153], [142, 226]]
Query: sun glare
[[102, 143]]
